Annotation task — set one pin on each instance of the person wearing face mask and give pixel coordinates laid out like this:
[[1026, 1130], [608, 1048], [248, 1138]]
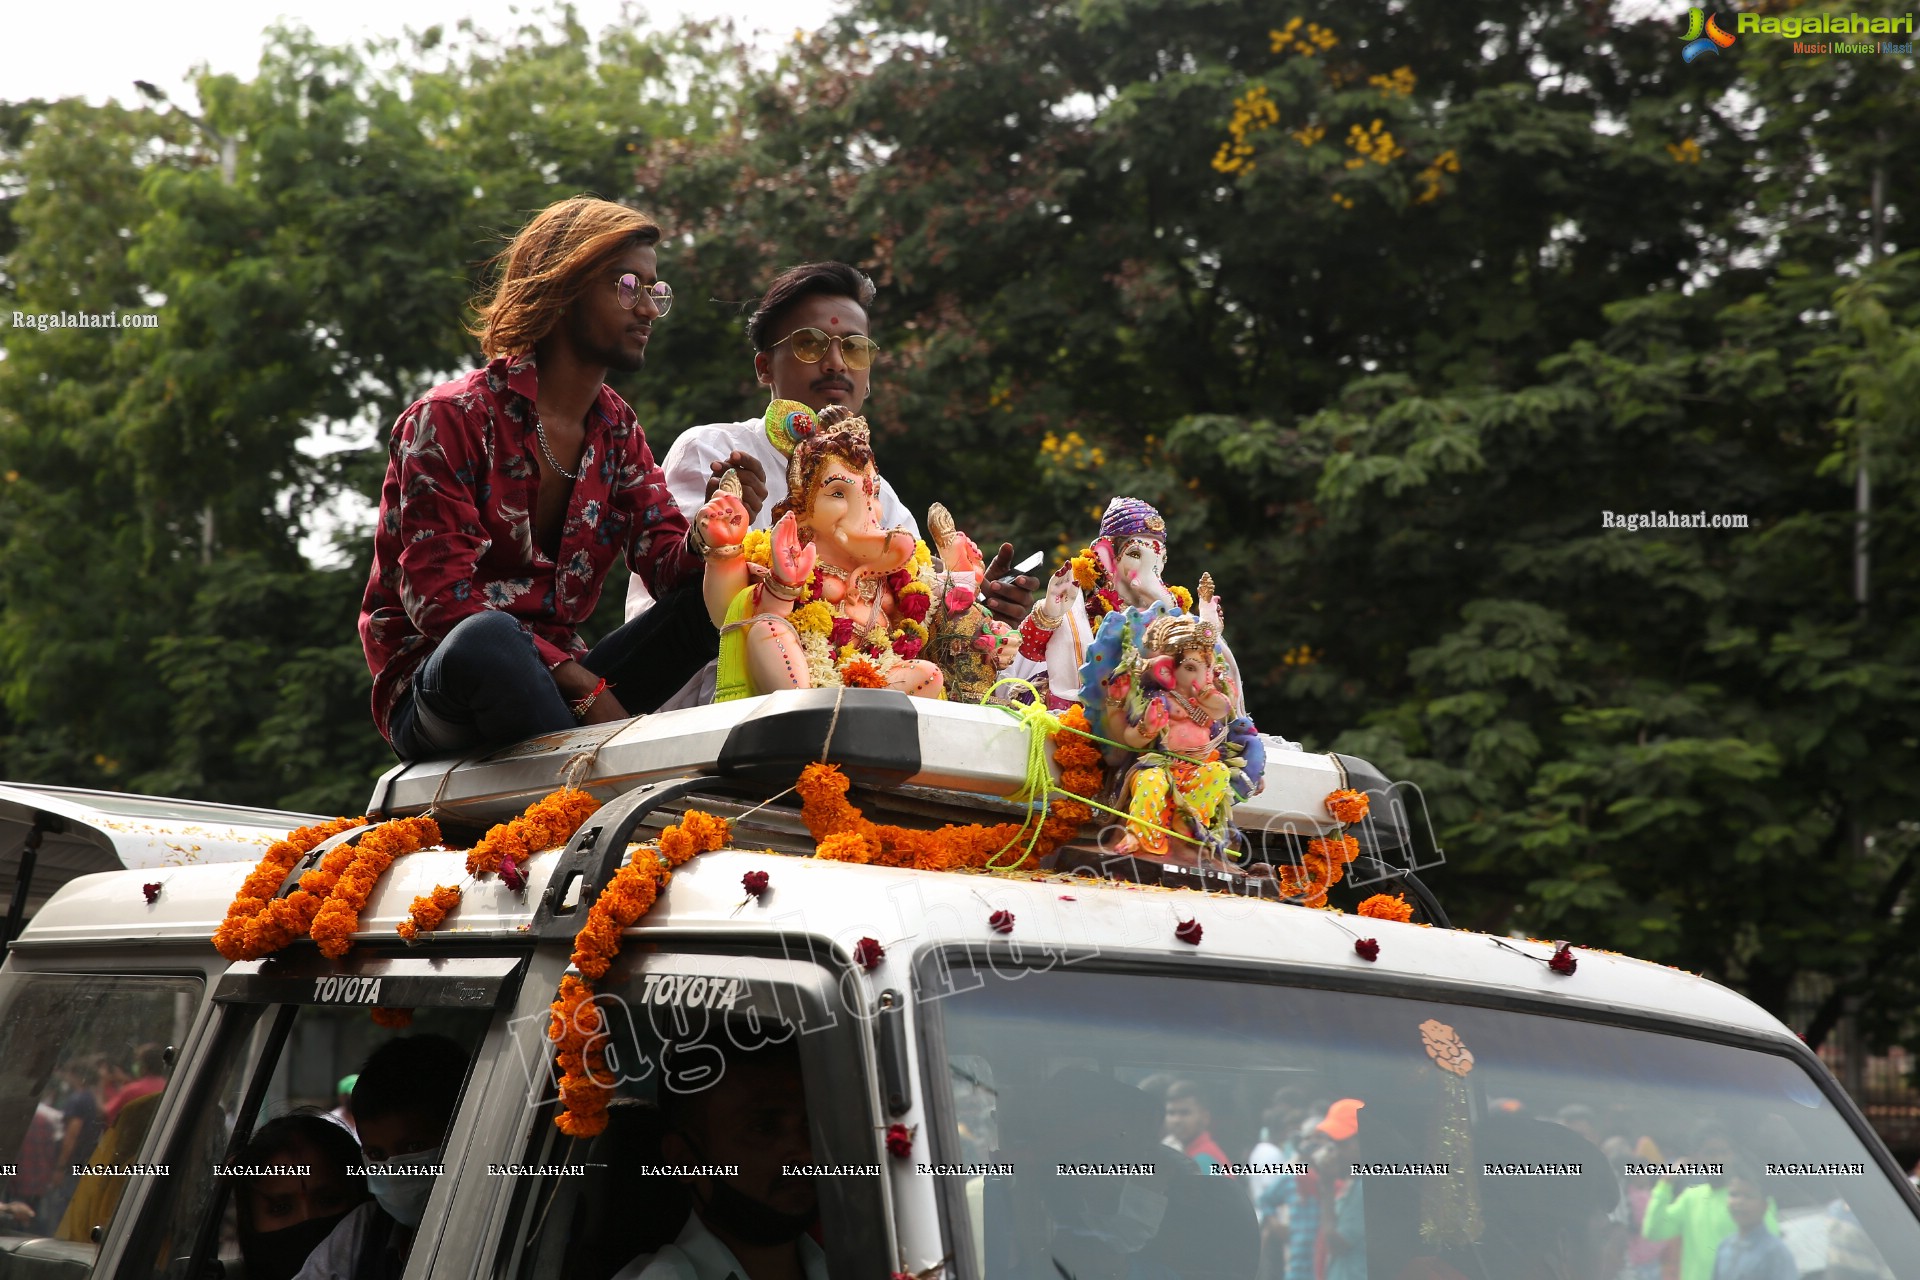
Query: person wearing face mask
[[752, 1224], [299, 1188], [403, 1102]]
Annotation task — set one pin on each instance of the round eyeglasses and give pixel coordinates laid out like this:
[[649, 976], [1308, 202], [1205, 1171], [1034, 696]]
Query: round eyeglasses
[[631, 290], [810, 347]]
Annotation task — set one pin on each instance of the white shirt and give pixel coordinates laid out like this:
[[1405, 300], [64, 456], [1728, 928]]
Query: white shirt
[[689, 465], [698, 1255]]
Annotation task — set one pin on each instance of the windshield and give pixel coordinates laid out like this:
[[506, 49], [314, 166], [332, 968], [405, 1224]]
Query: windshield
[[1124, 1125]]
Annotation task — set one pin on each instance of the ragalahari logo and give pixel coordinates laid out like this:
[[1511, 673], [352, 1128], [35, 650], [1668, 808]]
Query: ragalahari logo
[[1704, 35]]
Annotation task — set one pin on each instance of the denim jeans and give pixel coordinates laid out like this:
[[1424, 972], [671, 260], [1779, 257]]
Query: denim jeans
[[485, 685]]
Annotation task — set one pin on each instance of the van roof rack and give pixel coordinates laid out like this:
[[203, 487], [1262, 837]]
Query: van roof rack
[[918, 761]]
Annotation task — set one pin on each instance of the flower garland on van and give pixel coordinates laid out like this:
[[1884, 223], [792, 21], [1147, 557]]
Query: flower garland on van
[[548, 823], [842, 833], [576, 1024], [234, 939]]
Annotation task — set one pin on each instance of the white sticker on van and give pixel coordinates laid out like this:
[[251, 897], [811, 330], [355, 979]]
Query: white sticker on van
[[346, 990], [691, 991]]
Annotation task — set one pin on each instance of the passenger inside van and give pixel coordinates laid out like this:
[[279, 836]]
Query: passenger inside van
[[283, 1217], [1568, 1227], [404, 1103], [753, 1223]]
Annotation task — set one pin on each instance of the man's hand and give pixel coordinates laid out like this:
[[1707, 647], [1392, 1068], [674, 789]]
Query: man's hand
[[576, 682], [605, 709], [1008, 601], [753, 480]]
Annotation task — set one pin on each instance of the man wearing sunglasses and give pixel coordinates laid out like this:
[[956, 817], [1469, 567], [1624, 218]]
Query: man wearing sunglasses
[[811, 344], [508, 493]]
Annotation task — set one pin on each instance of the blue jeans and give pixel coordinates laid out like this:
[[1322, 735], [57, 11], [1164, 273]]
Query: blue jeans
[[486, 686]]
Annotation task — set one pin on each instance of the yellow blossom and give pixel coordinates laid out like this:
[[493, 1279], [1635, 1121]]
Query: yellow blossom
[[1309, 134], [1686, 151], [1397, 83]]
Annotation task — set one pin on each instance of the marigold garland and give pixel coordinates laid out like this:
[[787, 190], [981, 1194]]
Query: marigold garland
[[547, 824], [1348, 806], [630, 894], [338, 918], [1387, 906], [842, 833], [428, 910], [858, 673], [233, 939], [575, 1029]]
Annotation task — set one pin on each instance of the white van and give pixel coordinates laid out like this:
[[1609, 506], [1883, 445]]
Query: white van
[[977, 1102]]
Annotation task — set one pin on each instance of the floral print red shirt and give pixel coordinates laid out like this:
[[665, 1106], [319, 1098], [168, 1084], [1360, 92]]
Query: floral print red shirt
[[455, 533]]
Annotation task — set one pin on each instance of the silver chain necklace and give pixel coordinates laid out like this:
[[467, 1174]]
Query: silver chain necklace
[[540, 429]]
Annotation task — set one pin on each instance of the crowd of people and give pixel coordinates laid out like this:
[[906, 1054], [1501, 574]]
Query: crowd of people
[[97, 1108], [1720, 1225]]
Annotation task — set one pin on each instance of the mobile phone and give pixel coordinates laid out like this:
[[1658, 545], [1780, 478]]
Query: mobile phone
[[1031, 562]]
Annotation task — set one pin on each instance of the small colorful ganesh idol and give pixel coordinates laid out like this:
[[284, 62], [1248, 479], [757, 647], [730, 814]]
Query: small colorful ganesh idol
[[1160, 683], [832, 597], [1120, 569]]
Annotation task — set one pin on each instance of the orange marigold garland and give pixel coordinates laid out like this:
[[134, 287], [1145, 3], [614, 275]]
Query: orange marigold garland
[[428, 910], [842, 833], [546, 824], [861, 674], [1387, 906], [576, 1024], [1348, 806], [338, 918], [576, 1030], [233, 937]]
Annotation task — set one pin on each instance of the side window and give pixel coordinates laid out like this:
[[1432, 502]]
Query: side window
[[739, 1108], [84, 1060], [270, 1173]]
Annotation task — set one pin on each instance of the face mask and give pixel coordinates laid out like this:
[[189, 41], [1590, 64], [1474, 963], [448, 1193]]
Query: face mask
[[279, 1255], [400, 1189]]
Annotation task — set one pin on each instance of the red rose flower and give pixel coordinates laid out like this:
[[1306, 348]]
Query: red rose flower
[[152, 891], [755, 882], [1188, 931], [897, 581], [1366, 948], [842, 633], [907, 648], [1001, 922], [1563, 960], [868, 953], [899, 1140], [511, 875], [915, 606], [960, 598]]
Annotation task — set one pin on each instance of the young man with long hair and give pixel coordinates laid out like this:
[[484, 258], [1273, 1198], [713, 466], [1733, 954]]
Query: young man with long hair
[[508, 493]]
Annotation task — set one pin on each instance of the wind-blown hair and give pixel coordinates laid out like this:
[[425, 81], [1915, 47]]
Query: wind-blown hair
[[809, 279], [549, 264]]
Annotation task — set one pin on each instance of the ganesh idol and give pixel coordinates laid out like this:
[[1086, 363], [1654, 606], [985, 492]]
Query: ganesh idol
[[830, 597], [1121, 569], [1157, 683]]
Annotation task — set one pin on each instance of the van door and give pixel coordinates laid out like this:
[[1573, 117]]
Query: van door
[[286, 1031]]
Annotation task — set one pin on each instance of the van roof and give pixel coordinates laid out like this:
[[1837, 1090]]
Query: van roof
[[844, 902], [86, 831]]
